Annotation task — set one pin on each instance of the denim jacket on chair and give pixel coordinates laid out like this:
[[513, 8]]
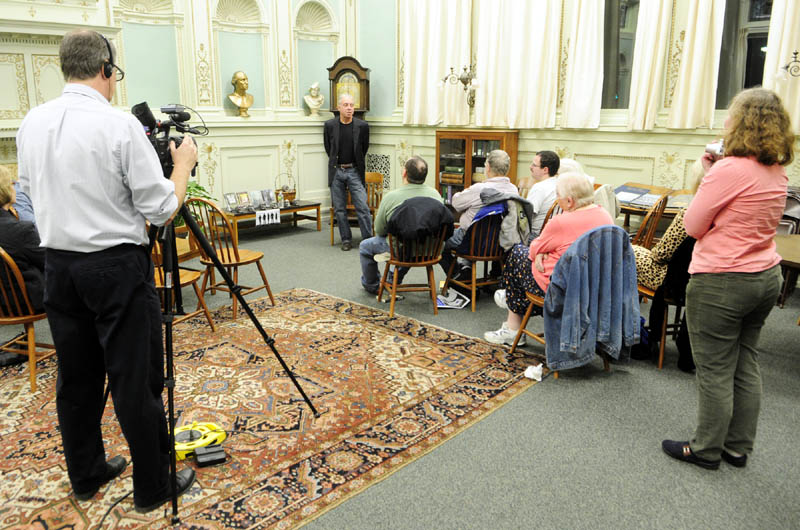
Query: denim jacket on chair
[[592, 302]]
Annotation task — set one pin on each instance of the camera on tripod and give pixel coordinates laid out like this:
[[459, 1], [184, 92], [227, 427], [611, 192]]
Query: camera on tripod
[[158, 131]]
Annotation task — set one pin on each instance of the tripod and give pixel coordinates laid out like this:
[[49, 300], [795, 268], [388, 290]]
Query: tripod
[[171, 271]]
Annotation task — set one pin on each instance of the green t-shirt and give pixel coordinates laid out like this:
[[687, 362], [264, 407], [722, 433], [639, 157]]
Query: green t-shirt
[[395, 198]]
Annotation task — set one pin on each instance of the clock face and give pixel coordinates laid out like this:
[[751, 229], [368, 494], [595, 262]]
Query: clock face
[[348, 84]]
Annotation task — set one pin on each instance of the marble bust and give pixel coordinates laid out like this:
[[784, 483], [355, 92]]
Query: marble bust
[[240, 97], [314, 99]]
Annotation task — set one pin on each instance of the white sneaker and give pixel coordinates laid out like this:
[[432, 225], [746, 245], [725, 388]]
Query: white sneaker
[[500, 298], [503, 336], [534, 372], [383, 256]]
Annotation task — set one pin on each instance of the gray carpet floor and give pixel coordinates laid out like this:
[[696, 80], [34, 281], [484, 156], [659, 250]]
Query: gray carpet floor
[[582, 451]]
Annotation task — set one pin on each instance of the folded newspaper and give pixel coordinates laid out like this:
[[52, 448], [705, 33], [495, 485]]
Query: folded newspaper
[[453, 300]]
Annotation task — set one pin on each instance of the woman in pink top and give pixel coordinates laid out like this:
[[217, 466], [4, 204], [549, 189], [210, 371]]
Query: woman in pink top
[[529, 269], [735, 276]]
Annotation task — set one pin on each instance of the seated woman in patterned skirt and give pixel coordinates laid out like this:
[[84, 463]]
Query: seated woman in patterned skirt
[[529, 269]]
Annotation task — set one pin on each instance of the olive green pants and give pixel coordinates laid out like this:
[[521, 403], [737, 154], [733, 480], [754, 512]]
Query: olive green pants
[[725, 313]]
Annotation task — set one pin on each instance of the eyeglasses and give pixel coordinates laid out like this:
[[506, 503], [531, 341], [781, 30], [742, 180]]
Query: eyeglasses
[[120, 73], [535, 165]]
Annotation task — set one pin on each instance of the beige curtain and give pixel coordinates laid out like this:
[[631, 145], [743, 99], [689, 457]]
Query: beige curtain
[[435, 38], [784, 38], [517, 63], [696, 87], [584, 81], [649, 58]]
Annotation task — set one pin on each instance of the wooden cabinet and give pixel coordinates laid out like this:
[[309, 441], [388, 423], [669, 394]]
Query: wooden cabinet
[[461, 155]]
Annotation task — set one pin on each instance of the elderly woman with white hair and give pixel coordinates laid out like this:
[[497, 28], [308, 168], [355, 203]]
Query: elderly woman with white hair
[[529, 269]]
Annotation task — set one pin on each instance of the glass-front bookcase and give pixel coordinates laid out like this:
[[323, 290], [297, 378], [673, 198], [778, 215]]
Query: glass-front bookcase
[[461, 156]]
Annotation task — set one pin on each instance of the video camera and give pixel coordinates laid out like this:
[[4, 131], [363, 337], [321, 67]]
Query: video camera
[[158, 131]]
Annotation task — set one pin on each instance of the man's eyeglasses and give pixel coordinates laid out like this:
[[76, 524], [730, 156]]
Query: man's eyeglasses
[[120, 73]]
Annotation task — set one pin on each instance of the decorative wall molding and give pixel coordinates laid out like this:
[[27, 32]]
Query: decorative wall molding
[[562, 73], [286, 95], [404, 150], [8, 149], [30, 39], [147, 12], [313, 17], [673, 68], [401, 81], [288, 156], [17, 65], [687, 171], [562, 151], [203, 77], [147, 6], [40, 64], [239, 16], [669, 167], [210, 164], [620, 165]]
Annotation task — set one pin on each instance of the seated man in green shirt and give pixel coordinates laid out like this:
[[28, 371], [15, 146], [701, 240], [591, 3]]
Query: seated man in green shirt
[[414, 173]]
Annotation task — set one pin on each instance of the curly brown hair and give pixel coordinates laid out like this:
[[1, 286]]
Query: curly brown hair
[[759, 127]]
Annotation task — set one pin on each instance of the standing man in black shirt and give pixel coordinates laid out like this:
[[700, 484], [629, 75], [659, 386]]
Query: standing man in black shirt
[[346, 142]]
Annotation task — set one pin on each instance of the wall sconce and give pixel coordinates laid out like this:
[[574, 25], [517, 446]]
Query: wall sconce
[[793, 66], [467, 78]]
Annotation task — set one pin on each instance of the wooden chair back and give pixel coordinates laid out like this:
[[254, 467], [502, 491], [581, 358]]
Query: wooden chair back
[[216, 228], [374, 182], [418, 252], [554, 210], [647, 231], [15, 306], [484, 240]]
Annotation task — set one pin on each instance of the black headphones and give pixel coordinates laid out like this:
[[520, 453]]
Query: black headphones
[[108, 66]]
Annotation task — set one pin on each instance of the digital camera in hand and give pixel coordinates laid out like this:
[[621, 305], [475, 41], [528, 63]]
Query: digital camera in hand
[[716, 149]]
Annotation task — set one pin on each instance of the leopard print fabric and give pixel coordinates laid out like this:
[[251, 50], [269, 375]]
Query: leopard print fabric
[[651, 264]]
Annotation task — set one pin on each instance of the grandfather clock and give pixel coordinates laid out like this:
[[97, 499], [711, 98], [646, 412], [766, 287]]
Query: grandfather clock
[[347, 76]]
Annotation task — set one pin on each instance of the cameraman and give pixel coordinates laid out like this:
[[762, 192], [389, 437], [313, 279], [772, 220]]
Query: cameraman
[[94, 179]]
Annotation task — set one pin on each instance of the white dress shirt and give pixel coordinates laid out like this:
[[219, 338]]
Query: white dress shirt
[[91, 172], [542, 195]]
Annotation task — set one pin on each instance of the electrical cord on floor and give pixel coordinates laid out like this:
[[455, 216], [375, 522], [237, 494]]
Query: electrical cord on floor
[[112, 507]]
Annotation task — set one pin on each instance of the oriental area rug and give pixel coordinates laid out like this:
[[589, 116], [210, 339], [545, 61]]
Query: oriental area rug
[[389, 389]]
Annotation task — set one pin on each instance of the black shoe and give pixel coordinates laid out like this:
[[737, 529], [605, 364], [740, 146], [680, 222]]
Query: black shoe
[[184, 480], [346, 245], [735, 461], [464, 274], [114, 468], [682, 451]]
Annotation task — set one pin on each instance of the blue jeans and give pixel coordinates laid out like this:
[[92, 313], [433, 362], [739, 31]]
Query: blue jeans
[[451, 243], [343, 180], [370, 274]]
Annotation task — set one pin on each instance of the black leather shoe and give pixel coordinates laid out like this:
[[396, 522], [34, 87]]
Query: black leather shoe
[[682, 451], [735, 461], [184, 480], [346, 245], [114, 468]]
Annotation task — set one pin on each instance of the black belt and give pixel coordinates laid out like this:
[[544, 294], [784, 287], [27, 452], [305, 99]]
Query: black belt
[[345, 166]]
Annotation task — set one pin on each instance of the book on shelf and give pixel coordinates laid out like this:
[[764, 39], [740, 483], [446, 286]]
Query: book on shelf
[[451, 178], [454, 169]]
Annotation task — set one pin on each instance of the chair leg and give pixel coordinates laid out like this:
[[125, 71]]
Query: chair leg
[[383, 281], [30, 332], [201, 302], [394, 292], [266, 283], [663, 337], [474, 281], [432, 285], [447, 278], [522, 326]]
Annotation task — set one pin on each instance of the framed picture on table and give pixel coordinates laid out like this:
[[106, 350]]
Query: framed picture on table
[[244, 198], [230, 201]]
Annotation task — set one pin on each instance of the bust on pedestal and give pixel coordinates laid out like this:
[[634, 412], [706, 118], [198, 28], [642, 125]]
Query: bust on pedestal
[[314, 99], [240, 97]]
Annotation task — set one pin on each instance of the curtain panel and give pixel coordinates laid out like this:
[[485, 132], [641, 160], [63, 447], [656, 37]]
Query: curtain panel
[[435, 38], [696, 87], [517, 63], [584, 80], [784, 38], [649, 60]]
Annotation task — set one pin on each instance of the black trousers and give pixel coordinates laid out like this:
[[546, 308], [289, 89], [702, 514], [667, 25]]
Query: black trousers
[[105, 317]]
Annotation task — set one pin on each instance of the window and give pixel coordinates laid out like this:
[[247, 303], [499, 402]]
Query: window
[[620, 34], [744, 47]]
